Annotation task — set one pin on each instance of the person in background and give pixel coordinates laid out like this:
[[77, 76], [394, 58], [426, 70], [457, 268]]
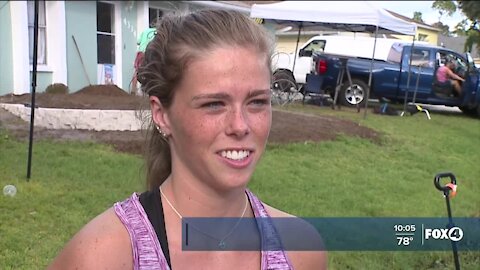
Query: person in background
[[447, 78], [143, 39], [208, 76]]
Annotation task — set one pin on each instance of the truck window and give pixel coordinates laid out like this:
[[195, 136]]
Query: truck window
[[395, 53], [421, 58], [315, 46], [461, 64]]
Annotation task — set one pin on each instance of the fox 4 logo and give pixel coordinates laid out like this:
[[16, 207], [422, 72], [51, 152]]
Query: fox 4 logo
[[454, 234]]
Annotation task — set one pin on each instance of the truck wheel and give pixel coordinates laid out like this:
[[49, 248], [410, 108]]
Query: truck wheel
[[469, 111], [284, 87], [354, 94]]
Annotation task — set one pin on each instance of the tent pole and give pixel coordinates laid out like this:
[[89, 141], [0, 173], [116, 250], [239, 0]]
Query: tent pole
[[370, 75], [408, 78], [296, 48], [34, 85]]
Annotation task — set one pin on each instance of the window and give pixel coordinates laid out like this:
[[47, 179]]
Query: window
[[105, 33], [153, 14], [395, 53], [315, 46], [421, 57], [461, 65], [422, 37], [42, 32]]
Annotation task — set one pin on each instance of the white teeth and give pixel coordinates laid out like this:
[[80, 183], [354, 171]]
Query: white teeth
[[235, 155]]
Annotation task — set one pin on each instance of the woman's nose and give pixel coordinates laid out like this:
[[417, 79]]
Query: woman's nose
[[237, 123]]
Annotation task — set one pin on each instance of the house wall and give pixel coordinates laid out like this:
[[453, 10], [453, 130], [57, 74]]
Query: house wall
[[6, 57], [15, 70], [55, 69], [129, 41], [432, 36], [81, 22], [56, 40], [44, 79], [20, 47], [287, 44]]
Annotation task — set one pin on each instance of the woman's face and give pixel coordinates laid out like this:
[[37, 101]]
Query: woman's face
[[220, 117]]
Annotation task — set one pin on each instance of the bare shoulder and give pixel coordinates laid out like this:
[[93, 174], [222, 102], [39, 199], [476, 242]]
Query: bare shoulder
[[102, 243], [295, 230]]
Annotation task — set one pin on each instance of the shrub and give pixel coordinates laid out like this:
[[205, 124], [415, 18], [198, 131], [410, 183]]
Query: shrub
[[57, 88]]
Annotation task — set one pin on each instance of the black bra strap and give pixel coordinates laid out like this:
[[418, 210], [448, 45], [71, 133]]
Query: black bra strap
[[152, 204]]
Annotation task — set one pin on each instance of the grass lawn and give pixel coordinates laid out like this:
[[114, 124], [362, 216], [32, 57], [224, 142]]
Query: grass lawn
[[349, 177]]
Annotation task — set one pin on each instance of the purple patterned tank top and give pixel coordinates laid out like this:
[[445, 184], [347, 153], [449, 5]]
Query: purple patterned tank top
[[148, 254]]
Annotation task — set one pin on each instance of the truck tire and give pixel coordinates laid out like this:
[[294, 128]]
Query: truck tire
[[355, 94], [284, 87], [283, 80], [469, 111]]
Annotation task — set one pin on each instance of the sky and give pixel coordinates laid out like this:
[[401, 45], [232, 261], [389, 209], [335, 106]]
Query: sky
[[429, 15]]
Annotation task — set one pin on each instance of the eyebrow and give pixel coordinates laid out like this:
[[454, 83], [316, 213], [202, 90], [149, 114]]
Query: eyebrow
[[224, 95], [258, 93], [221, 95]]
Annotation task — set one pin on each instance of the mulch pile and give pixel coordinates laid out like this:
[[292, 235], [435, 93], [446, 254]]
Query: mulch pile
[[106, 97]]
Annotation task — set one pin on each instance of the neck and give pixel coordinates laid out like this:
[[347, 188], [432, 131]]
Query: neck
[[193, 200]]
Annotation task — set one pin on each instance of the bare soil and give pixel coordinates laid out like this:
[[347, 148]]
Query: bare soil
[[287, 127]]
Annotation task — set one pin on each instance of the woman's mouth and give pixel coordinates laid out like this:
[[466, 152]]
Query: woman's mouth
[[238, 159], [235, 154]]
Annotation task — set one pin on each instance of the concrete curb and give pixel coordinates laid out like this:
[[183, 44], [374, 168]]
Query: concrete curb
[[53, 118]]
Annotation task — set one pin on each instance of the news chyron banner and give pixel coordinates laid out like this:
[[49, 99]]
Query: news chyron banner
[[331, 234]]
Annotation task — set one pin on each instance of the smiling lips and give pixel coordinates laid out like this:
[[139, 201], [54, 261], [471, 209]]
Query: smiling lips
[[237, 158], [235, 155]]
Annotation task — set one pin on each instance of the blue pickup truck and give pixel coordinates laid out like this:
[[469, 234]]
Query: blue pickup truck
[[391, 80]]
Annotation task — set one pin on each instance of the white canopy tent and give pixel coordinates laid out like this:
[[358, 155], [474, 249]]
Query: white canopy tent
[[352, 16]]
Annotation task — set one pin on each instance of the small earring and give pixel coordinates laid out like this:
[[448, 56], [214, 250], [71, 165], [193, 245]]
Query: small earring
[[162, 133]]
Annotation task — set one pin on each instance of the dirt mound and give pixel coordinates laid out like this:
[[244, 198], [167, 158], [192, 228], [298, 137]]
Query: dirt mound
[[106, 97], [102, 90]]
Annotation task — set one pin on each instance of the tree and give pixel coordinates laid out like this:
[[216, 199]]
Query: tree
[[473, 37], [462, 27], [470, 28], [444, 7], [445, 29], [471, 9], [417, 16]]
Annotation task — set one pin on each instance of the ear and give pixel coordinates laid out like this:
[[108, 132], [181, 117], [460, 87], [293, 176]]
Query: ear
[[160, 115]]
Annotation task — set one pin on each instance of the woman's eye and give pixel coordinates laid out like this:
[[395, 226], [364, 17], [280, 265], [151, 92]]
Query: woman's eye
[[213, 105], [260, 101]]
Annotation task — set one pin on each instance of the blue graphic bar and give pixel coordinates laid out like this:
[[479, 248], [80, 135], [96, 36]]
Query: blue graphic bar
[[332, 234]]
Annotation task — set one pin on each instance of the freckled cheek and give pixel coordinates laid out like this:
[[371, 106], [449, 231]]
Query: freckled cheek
[[261, 123], [199, 128]]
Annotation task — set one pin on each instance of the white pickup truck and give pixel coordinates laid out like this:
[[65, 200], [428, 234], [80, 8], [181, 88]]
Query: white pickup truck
[[362, 47]]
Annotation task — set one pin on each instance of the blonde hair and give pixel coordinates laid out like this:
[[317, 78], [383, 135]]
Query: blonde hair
[[179, 40]]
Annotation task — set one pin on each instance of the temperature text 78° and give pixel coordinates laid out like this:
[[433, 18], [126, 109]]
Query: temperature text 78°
[[404, 240]]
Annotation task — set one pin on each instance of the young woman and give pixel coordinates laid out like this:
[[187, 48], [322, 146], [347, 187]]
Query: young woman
[[207, 75]]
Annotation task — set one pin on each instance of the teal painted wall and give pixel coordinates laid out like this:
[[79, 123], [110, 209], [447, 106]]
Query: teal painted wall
[[6, 58], [81, 22], [44, 79], [129, 42]]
